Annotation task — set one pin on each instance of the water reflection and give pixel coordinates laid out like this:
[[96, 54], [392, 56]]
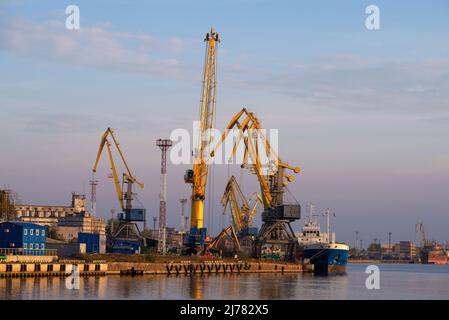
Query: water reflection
[[215, 286], [196, 287], [397, 282]]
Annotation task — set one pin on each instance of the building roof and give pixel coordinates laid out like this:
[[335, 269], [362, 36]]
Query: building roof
[[44, 206], [24, 224], [50, 240]]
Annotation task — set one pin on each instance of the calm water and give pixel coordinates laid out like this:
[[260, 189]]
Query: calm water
[[396, 282]]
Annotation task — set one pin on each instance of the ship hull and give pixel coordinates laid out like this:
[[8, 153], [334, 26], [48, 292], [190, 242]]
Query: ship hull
[[433, 254], [327, 259], [434, 258]]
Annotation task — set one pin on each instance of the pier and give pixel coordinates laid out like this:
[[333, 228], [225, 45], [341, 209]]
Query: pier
[[60, 269], [63, 269], [207, 267]]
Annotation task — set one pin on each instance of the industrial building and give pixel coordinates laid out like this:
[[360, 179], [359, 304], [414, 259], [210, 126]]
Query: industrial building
[[69, 227], [92, 241], [49, 215], [23, 238], [67, 222], [65, 249], [405, 250]]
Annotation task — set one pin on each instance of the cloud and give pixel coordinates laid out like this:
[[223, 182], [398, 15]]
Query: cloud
[[42, 121], [95, 47], [354, 84]]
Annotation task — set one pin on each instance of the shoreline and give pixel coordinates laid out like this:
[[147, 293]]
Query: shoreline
[[368, 261]]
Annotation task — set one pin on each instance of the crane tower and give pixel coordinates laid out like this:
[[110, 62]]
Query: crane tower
[[198, 176]]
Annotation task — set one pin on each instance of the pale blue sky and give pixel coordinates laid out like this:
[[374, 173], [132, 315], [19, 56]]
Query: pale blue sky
[[364, 113]]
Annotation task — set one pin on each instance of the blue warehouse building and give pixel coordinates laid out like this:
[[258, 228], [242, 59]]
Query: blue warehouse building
[[23, 237], [92, 241]]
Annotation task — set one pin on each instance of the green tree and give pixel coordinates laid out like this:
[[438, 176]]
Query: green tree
[[7, 207]]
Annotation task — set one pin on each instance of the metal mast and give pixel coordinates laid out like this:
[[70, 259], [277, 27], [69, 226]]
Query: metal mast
[[183, 220], [93, 195], [389, 243], [154, 223], [164, 145]]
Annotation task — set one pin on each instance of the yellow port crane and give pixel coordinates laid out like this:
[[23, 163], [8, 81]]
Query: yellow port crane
[[127, 229], [271, 172], [273, 180], [242, 211], [198, 176], [228, 233], [128, 178]]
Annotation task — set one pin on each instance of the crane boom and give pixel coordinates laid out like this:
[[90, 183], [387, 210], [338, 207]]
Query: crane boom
[[230, 233], [198, 176], [272, 179], [126, 176], [419, 228], [242, 211]]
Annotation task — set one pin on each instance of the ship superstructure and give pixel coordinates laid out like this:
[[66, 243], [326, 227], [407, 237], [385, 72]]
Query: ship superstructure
[[326, 255]]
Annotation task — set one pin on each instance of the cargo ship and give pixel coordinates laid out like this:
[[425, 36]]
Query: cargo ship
[[433, 254], [327, 256]]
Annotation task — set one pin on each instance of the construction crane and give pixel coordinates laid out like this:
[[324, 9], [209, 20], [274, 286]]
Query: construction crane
[[419, 228], [127, 229], [273, 181], [198, 176], [214, 245], [242, 211]]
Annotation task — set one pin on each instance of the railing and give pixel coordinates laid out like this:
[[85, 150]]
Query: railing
[[28, 252]]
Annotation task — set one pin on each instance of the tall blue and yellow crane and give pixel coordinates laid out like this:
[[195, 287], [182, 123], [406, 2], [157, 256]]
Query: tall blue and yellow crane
[[198, 175]]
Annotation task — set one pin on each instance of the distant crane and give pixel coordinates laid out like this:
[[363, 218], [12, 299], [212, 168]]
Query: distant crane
[[127, 229], [422, 238]]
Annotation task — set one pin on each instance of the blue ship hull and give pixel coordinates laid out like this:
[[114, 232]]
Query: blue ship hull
[[326, 259]]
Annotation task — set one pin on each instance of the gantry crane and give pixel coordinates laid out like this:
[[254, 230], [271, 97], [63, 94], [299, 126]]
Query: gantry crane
[[242, 211], [127, 229], [198, 176], [273, 180]]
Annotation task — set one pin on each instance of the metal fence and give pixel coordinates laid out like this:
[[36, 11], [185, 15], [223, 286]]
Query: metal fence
[[27, 252]]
